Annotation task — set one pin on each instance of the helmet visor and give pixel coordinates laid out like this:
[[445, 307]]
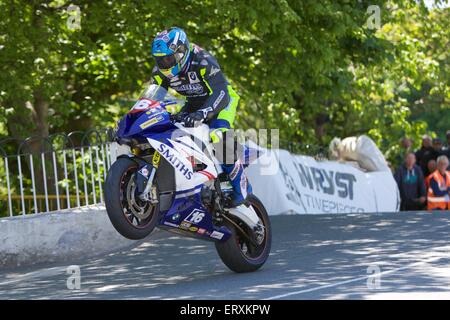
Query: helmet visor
[[166, 62]]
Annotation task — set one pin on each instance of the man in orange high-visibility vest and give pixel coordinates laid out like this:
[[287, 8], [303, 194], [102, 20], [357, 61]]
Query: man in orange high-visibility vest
[[439, 189]]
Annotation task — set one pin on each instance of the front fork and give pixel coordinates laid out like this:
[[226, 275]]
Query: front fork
[[145, 179], [148, 193]]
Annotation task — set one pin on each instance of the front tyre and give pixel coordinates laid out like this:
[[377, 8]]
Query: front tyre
[[237, 253], [132, 217]]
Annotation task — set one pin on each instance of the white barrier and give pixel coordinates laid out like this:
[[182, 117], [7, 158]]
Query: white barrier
[[60, 236], [303, 185]]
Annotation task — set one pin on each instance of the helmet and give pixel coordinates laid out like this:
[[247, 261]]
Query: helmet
[[171, 51]]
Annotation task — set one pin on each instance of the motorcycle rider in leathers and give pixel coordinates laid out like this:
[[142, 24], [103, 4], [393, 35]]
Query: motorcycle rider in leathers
[[194, 73]]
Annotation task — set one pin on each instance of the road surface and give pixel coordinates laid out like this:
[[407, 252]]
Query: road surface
[[360, 256]]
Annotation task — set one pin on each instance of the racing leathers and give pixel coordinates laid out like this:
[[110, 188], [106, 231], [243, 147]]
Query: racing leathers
[[210, 97]]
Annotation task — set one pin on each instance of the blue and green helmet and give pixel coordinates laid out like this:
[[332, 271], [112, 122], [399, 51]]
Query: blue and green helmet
[[171, 51]]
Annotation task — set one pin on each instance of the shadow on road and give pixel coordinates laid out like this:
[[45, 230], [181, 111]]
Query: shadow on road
[[308, 251]]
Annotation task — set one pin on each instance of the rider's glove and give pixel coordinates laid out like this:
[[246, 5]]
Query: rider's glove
[[193, 119]]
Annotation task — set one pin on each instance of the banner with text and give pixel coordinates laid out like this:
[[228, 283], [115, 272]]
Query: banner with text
[[303, 185]]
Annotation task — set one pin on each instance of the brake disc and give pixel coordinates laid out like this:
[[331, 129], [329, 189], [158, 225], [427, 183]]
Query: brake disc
[[138, 208]]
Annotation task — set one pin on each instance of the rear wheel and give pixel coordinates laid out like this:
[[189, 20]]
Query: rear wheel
[[132, 217], [238, 253]]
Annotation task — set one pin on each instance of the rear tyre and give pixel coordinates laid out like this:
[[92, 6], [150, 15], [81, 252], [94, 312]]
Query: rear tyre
[[237, 253], [131, 217]]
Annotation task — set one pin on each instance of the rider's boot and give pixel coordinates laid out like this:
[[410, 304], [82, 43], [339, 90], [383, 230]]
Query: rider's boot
[[241, 186]]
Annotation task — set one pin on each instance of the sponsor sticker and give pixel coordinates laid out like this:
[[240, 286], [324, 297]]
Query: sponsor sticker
[[170, 156], [201, 231], [170, 224], [190, 88], [193, 229], [156, 158], [216, 235], [213, 71], [185, 225], [219, 99], [144, 171], [193, 77], [149, 123]]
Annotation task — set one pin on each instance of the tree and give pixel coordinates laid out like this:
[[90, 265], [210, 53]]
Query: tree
[[314, 69], [54, 77]]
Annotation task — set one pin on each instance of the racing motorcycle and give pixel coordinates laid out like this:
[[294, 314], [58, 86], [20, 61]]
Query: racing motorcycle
[[170, 178]]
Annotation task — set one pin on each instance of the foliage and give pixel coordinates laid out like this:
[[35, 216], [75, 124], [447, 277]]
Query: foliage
[[312, 68]]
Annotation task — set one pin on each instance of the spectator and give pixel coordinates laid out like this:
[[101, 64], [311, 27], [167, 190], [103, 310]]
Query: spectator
[[411, 183], [406, 144], [438, 147], [439, 190], [425, 154], [405, 148], [431, 168]]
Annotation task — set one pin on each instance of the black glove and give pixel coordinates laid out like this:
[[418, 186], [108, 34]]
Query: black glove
[[193, 119], [178, 117]]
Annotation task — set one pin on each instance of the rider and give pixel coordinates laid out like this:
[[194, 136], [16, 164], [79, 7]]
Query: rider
[[194, 73]]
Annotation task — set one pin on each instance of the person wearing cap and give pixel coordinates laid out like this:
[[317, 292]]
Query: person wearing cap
[[438, 146], [439, 189], [425, 154]]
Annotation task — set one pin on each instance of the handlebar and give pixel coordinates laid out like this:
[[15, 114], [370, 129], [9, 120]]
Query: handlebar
[[178, 117]]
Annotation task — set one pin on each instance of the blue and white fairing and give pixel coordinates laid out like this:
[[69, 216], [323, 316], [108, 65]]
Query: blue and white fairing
[[149, 121], [146, 117]]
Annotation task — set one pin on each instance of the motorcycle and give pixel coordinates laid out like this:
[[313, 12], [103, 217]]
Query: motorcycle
[[171, 179]]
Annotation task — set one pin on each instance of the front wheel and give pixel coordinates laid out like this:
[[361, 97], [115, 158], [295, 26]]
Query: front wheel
[[132, 217], [239, 254]]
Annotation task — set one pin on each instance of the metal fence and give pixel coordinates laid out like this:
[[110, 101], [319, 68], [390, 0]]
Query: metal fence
[[57, 172]]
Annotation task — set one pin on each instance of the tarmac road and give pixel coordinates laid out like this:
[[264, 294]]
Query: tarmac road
[[360, 256]]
